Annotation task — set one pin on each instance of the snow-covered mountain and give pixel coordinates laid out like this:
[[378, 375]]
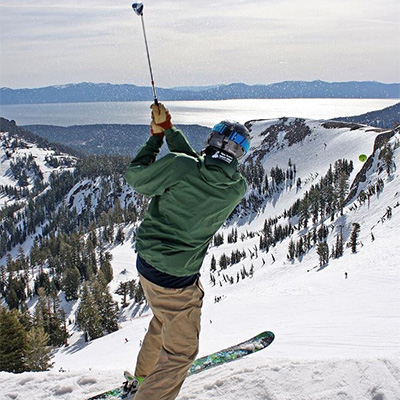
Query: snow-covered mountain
[[386, 118], [336, 321], [23, 165], [104, 92]]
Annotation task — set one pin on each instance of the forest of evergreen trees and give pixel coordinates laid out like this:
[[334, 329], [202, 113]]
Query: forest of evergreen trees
[[262, 186], [68, 253]]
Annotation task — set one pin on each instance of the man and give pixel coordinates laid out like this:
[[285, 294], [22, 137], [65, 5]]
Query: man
[[192, 195]]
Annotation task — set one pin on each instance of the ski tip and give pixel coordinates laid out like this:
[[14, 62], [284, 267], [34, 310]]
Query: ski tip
[[267, 337]]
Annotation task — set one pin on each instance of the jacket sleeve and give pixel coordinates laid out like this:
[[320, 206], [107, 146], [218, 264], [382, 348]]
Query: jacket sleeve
[[150, 177], [178, 143]]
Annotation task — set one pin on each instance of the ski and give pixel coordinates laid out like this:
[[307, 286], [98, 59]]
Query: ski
[[253, 345], [256, 343]]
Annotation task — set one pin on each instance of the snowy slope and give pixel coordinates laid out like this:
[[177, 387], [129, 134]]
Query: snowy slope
[[38, 163], [313, 154], [23, 150], [336, 338]]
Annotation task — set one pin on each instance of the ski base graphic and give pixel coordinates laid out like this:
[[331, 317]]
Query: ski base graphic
[[256, 343]]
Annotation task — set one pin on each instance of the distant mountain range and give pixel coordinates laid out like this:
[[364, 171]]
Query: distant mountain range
[[387, 118], [106, 92]]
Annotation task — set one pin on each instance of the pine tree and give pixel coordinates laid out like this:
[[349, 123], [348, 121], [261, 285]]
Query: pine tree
[[251, 273], [110, 225], [213, 267], [314, 203], [37, 352], [233, 236], [120, 237], [108, 308], [42, 281], [300, 247], [354, 236], [71, 283], [105, 266], [22, 262], [218, 239], [15, 293], [322, 232], [88, 317], [117, 212], [304, 212], [11, 298], [342, 190], [57, 330], [139, 293], [387, 157], [291, 250], [12, 342], [323, 253], [224, 261], [51, 317], [339, 246], [132, 288], [3, 280], [123, 290]]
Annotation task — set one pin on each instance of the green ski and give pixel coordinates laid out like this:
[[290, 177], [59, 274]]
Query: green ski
[[256, 343]]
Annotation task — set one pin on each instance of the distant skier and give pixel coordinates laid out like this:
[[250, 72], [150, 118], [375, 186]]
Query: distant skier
[[192, 195]]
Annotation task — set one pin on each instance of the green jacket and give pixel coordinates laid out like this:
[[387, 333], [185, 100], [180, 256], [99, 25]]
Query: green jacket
[[191, 198]]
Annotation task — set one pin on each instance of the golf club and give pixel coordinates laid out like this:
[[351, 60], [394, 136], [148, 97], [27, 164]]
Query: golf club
[[138, 8]]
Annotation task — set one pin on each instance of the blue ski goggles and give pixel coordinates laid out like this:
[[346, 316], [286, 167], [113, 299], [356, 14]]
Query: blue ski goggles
[[236, 137]]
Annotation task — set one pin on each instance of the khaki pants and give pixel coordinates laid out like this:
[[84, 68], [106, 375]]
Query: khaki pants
[[171, 342]]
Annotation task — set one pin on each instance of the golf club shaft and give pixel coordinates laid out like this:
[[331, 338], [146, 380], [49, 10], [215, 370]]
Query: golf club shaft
[[148, 59]]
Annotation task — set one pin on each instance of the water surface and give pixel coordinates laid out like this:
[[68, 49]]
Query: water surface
[[205, 113]]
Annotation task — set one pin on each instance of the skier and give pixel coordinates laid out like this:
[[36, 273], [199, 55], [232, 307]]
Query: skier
[[192, 195]]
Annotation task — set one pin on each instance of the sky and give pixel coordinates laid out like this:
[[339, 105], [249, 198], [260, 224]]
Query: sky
[[198, 43]]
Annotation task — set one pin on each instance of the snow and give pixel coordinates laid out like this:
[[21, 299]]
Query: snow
[[249, 379], [25, 150], [336, 338], [39, 155]]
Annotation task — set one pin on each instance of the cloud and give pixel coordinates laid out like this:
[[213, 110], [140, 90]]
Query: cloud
[[191, 41]]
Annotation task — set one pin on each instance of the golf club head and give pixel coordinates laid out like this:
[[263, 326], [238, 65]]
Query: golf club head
[[138, 8]]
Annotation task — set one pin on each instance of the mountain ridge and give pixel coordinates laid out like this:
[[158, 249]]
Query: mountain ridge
[[387, 118], [107, 92]]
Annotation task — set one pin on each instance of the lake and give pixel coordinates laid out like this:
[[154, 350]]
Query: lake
[[205, 113]]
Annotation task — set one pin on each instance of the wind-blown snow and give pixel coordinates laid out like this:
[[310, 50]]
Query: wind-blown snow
[[336, 338]]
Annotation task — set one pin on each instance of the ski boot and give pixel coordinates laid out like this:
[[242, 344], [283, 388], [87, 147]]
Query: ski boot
[[131, 386]]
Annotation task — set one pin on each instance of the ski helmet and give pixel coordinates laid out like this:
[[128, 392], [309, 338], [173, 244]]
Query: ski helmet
[[231, 137]]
